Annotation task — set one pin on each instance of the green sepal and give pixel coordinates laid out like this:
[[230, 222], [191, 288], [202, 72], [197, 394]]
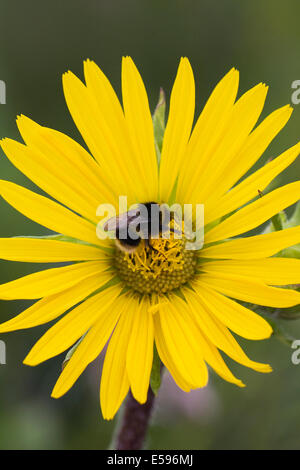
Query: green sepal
[[279, 333], [278, 221], [64, 238], [275, 317], [112, 282], [294, 220], [292, 252], [159, 123], [155, 378], [178, 292], [71, 352], [172, 198], [281, 222]]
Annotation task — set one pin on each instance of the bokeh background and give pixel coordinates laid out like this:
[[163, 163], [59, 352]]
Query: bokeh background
[[38, 42]]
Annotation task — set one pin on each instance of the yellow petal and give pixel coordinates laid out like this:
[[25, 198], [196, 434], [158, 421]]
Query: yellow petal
[[178, 129], [139, 121], [214, 359], [108, 109], [244, 116], [274, 271], [64, 159], [140, 350], [218, 334], [114, 381], [251, 291], [208, 131], [35, 250], [100, 133], [89, 348], [50, 177], [254, 146], [181, 338], [71, 327], [235, 316], [74, 157], [49, 281], [249, 188], [258, 246], [48, 213], [255, 213], [167, 358], [53, 306]]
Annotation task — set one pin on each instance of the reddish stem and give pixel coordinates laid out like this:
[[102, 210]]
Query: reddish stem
[[135, 422]]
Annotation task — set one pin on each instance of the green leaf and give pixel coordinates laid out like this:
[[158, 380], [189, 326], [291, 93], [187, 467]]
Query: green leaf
[[159, 123], [155, 379]]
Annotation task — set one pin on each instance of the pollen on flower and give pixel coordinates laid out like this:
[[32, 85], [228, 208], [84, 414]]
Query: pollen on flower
[[160, 268]]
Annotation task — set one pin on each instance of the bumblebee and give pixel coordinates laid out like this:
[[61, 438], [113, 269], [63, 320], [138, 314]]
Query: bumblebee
[[148, 220]]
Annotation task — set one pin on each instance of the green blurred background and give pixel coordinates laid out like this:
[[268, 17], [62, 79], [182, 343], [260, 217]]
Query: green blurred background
[[38, 42]]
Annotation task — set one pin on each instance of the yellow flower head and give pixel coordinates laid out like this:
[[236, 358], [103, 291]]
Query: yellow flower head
[[180, 300]]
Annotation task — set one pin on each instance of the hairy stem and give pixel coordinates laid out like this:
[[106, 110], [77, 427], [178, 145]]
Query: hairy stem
[[134, 425]]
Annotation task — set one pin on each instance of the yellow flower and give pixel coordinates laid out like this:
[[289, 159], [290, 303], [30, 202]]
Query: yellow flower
[[132, 301]]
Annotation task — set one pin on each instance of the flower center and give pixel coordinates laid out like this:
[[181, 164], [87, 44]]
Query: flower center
[[160, 267]]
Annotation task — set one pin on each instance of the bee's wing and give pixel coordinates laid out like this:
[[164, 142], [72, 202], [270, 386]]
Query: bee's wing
[[119, 222], [141, 222]]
